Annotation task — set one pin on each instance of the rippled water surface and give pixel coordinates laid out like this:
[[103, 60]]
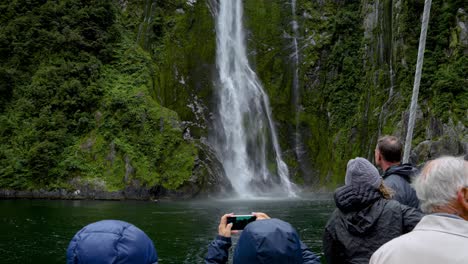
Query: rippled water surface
[[38, 231]]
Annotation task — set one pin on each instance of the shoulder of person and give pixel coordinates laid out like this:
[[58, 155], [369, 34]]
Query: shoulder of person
[[391, 180], [393, 204], [392, 250]]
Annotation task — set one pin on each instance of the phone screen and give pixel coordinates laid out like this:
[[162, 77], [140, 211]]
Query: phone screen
[[240, 221]]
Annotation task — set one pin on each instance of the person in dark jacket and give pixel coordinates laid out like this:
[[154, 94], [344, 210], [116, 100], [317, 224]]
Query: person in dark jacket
[[111, 242], [365, 218], [397, 176], [265, 241]]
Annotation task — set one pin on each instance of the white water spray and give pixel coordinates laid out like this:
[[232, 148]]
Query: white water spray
[[246, 139]]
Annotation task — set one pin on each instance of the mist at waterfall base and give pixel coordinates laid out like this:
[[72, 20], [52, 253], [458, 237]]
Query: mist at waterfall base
[[38, 231], [244, 137]]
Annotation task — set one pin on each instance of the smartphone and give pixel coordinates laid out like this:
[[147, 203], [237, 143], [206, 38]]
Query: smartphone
[[240, 221]]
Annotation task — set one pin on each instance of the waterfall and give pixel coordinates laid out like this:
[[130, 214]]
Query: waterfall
[[298, 147], [144, 29], [384, 109], [245, 136], [295, 57]]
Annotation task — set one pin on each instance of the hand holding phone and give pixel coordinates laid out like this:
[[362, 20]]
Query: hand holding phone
[[239, 222], [224, 229]]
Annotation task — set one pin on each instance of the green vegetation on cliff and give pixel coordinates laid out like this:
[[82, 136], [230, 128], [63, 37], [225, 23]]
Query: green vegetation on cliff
[[76, 101], [101, 92], [357, 62]]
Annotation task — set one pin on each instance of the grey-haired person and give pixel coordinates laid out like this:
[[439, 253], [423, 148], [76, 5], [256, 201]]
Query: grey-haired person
[[442, 235]]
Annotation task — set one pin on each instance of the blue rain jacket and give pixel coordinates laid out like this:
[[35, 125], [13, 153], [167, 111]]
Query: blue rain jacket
[[111, 241], [269, 241]]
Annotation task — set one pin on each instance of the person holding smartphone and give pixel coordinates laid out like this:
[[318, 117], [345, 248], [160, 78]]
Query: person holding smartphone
[[264, 240]]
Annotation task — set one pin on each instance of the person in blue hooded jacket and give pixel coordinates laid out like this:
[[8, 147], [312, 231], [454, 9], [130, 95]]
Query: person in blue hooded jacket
[[266, 240], [111, 242]]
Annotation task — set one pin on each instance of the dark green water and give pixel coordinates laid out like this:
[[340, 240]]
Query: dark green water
[[38, 231]]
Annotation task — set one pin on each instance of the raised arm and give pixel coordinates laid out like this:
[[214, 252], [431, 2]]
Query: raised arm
[[218, 250]]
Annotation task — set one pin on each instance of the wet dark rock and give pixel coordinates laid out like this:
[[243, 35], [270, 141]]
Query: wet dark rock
[[443, 139]]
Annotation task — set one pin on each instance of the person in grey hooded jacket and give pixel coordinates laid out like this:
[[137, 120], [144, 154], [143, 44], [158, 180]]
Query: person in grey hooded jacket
[[365, 218], [265, 241]]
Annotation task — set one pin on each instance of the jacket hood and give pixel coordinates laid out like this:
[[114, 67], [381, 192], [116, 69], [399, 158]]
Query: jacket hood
[[405, 171], [357, 203], [270, 241], [111, 241]]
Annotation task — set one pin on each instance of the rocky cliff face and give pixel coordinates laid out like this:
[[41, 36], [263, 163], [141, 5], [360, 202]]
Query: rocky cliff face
[[356, 73], [134, 81]]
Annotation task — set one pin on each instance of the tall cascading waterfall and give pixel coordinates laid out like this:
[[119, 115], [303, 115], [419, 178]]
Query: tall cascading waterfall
[[245, 136]]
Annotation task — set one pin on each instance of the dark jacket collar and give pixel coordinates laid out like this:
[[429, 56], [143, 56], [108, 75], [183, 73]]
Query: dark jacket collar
[[405, 171]]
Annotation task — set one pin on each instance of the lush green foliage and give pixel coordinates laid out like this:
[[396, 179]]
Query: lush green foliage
[[51, 53], [182, 44], [351, 60], [133, 136], [87, 85], [77, 101]]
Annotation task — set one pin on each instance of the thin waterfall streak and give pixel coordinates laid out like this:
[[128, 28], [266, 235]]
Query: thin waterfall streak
[[244, 112], [144, 28], [384, 107], [392, 81], [282, 168], [296, 94]]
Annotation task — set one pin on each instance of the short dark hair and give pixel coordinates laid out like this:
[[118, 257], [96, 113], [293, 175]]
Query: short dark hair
[[390, 148]]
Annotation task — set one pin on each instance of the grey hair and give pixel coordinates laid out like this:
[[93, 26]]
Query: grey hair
[[439, 182]]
